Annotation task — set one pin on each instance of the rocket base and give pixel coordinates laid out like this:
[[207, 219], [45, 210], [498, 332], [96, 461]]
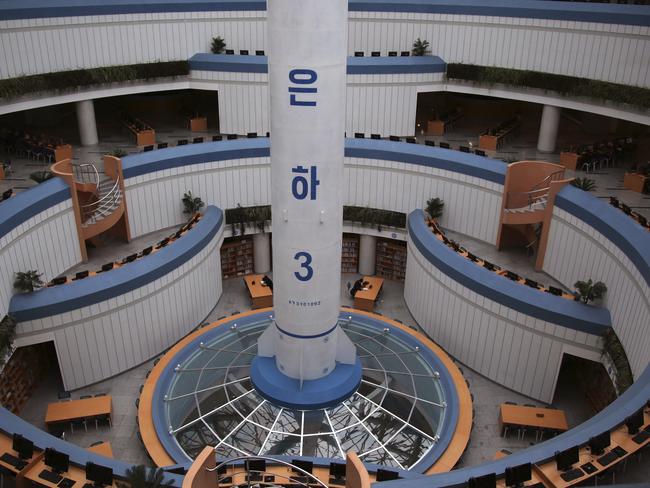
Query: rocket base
[[284, 391]]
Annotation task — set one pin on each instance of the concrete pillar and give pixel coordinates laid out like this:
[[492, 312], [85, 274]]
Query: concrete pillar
[[367, 251], [548, 129], [87, 123], [262, 252]]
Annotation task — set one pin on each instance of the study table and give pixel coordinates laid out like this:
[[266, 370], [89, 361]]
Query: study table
[[78, 409], [534, 417], [261, 295], [620, 438], [365, 298], [103, 449]]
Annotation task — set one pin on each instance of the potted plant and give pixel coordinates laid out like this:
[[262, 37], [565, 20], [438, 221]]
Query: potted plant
[[118, 153], [142, 477], [435, 207], [588, 291], [420, 47], [191, 204], [218, 45], [41, 176], [27, 281], [585, 184]]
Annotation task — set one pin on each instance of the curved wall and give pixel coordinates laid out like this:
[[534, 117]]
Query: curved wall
[[37, 231], [590, 239], [39, 38], [114, 321], [377, 174], [508, 332]]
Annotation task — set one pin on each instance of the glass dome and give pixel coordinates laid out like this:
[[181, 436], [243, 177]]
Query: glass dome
[[394, 419]]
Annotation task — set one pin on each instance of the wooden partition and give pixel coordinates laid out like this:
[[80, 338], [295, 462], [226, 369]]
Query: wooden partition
[[198, 475], [356, 474]]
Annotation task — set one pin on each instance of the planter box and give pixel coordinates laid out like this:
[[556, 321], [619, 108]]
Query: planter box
[[569, 160], [488, 142], [62, 152], [634, 182]]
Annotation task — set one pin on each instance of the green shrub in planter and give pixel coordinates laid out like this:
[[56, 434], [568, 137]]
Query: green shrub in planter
[[191, 204], [218, 45], [27, 281], [435, 206], [41, 176], [589, 291], [585, 184], [420, 47]]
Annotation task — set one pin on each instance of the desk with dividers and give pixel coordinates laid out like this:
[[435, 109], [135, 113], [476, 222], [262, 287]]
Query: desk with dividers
[[619, 439], [365, 298], [78, 409], [261, 295]]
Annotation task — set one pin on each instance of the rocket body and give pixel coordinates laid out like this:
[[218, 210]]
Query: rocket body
[[307, 76]]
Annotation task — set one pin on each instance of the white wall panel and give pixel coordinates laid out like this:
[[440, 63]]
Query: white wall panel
[[101, 340], [498, 342], [577, 251], [155, 198], [47, 242]]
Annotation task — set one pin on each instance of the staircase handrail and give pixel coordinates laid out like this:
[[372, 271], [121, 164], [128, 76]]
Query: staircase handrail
[[79, 173], [538, 192], [98, 208]]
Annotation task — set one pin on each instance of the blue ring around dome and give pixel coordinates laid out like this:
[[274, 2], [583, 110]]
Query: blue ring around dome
[[280, 389], [446, 382]]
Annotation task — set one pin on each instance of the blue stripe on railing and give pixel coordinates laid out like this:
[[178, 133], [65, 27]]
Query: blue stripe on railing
[[367, 65], [533, 9], [29, 203], [534, 303], [71, 296]]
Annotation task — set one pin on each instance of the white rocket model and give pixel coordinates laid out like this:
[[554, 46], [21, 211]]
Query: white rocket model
[[307, 75]]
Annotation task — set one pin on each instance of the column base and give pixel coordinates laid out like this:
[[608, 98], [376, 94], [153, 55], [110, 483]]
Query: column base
[[284, 391]]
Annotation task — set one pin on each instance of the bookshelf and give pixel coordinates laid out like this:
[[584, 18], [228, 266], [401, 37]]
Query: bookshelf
[[237, 257], [350, 254], [21, 375], [390, 260]]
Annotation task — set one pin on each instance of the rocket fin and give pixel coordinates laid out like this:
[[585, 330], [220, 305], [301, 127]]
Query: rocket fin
[[346, 351], [266, 342]]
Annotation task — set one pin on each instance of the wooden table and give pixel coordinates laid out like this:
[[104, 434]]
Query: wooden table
[[103, 449], [62, 152], [78, 409], [365, 298], [261, 295], [536, 417]]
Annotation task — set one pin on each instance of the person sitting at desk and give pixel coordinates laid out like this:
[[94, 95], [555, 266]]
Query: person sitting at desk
[[358, 285], [266, 281]]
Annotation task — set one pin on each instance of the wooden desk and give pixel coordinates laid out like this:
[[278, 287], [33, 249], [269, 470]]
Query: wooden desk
[[365, 299], [552, 477], [103, 449], [487, 142], [545, 418], [262, 296], [78, 409], [75, 473], [6, 443]]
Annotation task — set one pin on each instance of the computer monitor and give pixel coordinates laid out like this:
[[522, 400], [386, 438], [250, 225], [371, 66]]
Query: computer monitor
[[81, 275], [256, 465], [337, 470], [531, 283], [488, 265], [59, 281], [634, 421], [567, 458], [24, 447], [58, 461], [485, 481], [99, 475], [454, 246], [517, 475], [130, 258], [107, 266], [626, 209], [394, 138], [386, 475], [375, 136], [429, 143], [147, 250], [555, 291], [304, 465], [472, 257], [597, 444], [512, 276], [164, 242], [178, 234]]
